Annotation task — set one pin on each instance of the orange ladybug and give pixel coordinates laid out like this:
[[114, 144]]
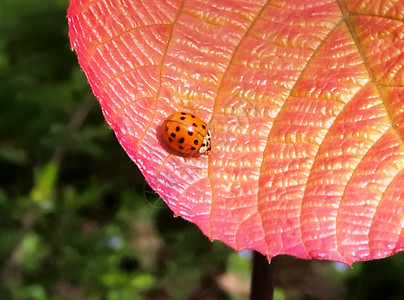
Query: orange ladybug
[[187, 134]]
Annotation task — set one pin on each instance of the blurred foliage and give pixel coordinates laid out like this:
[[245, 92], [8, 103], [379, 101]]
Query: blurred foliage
[[77, 220]]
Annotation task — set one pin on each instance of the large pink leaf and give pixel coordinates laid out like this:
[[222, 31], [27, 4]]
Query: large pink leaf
[[304, 100]]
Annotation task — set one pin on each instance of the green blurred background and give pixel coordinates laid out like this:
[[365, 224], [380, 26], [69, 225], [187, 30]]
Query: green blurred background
[[77, 220]]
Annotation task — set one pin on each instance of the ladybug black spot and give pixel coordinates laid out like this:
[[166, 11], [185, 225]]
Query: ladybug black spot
[[196, 142], [192, 116], [183, 113], [193, 148], [182, 118], [172, 135], [177, 128], [181, 148], [181, 140], [170, 140], [190, 133], [203, 126], [194, 124]]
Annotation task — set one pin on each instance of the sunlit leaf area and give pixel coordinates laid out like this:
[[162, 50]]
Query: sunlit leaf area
[[78, 221]]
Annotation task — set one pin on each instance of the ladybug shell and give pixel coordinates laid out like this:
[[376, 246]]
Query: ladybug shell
[[186, 134]]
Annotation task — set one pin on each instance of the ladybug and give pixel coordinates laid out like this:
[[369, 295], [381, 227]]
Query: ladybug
[[186, 134]]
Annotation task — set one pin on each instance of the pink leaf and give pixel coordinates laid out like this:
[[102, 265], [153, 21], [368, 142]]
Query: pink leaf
[[304, 100]]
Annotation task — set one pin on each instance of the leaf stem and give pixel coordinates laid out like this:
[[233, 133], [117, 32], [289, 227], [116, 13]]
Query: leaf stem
[[262, 281]]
